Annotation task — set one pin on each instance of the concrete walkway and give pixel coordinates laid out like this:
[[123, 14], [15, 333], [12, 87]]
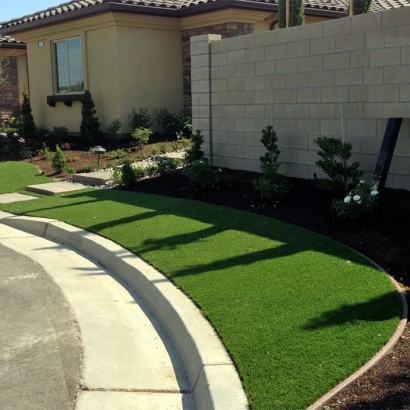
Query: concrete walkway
[[145, 344]]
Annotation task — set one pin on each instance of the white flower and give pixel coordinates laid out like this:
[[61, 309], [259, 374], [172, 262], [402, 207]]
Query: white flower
[[347, 199], [374, 192], [357, 198], [361, 181], [22, 140]]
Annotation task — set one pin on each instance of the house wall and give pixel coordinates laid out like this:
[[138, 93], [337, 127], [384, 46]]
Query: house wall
[[9, 91], [291, 79]]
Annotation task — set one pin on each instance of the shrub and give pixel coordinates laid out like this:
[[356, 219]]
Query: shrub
[[27, 120], [87, 168], [185, 142], [41, 132], [140, 136], [174, 145], [200, 172], [174, 123], [194, 153], [271, 184], [59, 162], [60, 133], [140, 119], [163, 149], [113, 128], [128, 175], [361, 199], [297, 13], [123, 160], [44, 152], [334, 162], [116, 176], [119, 153], [90, 124], [165, 166], [154, 150], [361, 6], [70, 170]]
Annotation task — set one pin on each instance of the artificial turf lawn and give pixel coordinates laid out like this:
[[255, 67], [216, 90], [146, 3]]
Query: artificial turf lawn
[[297, 311]]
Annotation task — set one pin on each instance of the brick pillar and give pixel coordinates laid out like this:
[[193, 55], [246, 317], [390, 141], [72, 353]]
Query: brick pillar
[[201, 87], [9, 92]]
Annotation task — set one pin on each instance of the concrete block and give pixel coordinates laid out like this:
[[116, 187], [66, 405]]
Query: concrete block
[[227, 150], [245, 70], [336, 61], [399, 41], [227, 44], [237, 137], [306, 157], [297, 170], [323, 45], [259, 125], [373, 75], [349, 76], [245, 151], [255, 111], [313, 63], [310, 31], [373, 110], [296, 141], [323, 110], [401, 182], [405, 130], [275, 52], [361, 128], [337, 27], [403, 147], [200, 44], [334, 94], [405, 55], [255, 54], [227, 71], [265, 67], [215, 122], [383, 93], [286, 126], [214, 47], [245, 97], [275, 81], [235, 84], [219, 137], [201, 73], [396, 17], [227, 98], [254, 83], [360, 58], [200, 86], [279, 111], [226, 124], [296, 80], [309, 95], [371, 144], [263, 96], [220, 161], [252, 165], [220, 111], [214, 73], [287, 65], [244, 124], [298, 49], [359, 93], [254, 138], [356, 141], [367, 161], [218, 85], [236, 111], [332, 128], [353, 41], [397, 109], [307, 126], [285, 96], [366, 22], [404, 92], [297, 111], [385, 56], [237, 163], [219, 59], [201, 60], [322, 78], [236, 57], [247, 41], [372, 40], [350, 111], [381, 125], [289, 154], [264, 38], [396, 74], [200, 99], [287, 35]]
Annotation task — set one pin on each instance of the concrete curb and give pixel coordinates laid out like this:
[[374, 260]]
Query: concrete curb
[[318, 405], [211, 373]]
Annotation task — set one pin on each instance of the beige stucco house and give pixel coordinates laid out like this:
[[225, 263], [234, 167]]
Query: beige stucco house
[[130, 53]]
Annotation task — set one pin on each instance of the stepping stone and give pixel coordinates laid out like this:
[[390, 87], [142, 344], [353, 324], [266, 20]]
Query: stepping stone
[[54, 188], [93, 178], [173, 155], [15, 197]]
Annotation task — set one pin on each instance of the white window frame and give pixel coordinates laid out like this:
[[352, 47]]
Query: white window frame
[[68, 67]]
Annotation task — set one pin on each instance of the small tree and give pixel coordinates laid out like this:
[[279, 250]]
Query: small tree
[[194, 153], [335, 155], [90, 125], [27, 120], [297, 13], [361, 6], [282, 13], [59, 161]]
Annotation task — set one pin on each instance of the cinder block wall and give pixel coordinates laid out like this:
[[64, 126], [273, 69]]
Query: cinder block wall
[[294, 80]]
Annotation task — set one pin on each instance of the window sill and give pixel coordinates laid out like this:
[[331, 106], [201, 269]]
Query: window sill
[[66, 99]]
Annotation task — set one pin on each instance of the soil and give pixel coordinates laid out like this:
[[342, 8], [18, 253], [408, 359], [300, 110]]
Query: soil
[[382, 236]]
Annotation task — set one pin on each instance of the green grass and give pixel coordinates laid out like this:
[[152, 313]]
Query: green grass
[[297, 311], [15, 176]]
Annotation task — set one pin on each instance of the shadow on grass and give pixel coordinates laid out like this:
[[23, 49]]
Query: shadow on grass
[[381, 309]]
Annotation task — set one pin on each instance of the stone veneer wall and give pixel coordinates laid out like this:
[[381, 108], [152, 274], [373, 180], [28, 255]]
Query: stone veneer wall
[[291, 79], [226, 30], [9, 92]]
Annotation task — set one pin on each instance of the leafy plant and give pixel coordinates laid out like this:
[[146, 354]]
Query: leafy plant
[[335, 155], [119, 153], [174, 145], [113, 128], [87, 168], [128, 175], [41, 132], [123, 160], [361, 199], [172, 122], [200, 172], [110, 164], [194, 152], [271, 184], [154, 150], [70, 170], [60, 133], [143, 155], [185, 142], [59, 162], [163, 149], [25, 151], [140, 119], [116, 176], [44, 152], [297, 13], [27, 120], [140, 136], [90, 124], [165, 166]]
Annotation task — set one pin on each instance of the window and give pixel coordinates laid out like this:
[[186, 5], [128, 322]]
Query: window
[[69, 66]]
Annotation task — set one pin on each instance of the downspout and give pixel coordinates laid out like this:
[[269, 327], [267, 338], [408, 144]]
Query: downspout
[[210, 107]]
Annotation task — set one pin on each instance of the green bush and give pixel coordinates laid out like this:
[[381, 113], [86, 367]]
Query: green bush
[[271, 184], [60, 133], [59, 161], [128, 175], [41, 132], [44, 152], [140, 119], [116, 176], [113, 129], [119, 153], [26, 117], [297, 13], [194, 152], [87, 168], [200, 172], [335, 155], [90, 124], [165, 166], [163, 149], [174, 123], [140, 136], [174, 145], [154, 150]]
